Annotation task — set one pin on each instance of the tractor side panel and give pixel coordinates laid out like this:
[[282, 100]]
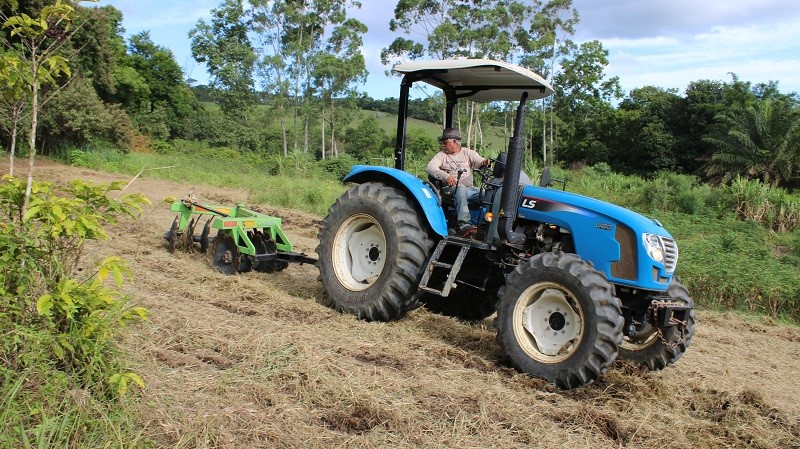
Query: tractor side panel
[[424, 196]]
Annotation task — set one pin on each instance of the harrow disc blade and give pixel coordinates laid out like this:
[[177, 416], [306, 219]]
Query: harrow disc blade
[[187, 238], [204, 237], [224, 254], [266, 245], [172, 235]]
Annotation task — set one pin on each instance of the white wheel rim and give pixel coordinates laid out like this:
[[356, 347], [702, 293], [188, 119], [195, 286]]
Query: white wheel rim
[[359, 252], [548, 322]]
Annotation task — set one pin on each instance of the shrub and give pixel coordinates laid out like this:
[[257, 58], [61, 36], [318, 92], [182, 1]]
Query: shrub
[[77, 116], [771, 206], [338, 166], [57, 319], [672, 192]]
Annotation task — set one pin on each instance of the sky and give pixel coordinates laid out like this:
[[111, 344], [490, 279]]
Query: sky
[[664, 43]]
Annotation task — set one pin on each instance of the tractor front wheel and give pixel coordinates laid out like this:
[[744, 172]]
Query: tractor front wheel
[[557, 319], [658, 348], [372, 252]]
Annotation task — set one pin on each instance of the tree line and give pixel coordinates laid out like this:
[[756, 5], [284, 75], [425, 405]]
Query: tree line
[[285, 76]]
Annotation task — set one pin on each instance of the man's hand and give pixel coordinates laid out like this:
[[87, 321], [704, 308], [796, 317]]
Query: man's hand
[[451, 180], [485, 162]]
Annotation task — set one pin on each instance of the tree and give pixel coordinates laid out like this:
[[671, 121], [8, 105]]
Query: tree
[[168, 94], [270, 25], [645, 138], [14, 99], [426, 18], [545, 45], [319, 51], [366, 139], [336, 68], [703, 100], [98, 46], [757, 141], [35, 42], [582, 95], [225, 47]]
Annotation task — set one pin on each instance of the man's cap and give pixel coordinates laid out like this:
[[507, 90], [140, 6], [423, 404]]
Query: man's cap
[[450, 133]]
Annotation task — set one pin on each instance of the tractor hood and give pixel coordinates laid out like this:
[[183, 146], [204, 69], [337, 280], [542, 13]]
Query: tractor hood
[[554, 200], [618, 241]]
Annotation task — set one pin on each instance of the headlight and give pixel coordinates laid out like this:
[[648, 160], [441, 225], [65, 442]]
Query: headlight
[[654, 246]]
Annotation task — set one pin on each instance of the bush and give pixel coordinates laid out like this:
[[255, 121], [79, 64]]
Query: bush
[[672, 192], [771, 206], [56, 319], [77, 116], [338, 167]]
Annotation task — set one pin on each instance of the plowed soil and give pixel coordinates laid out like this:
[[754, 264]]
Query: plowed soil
[[252, 360]]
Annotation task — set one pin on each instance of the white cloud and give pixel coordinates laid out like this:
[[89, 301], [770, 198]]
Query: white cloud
[[644, 42], [756, 53]]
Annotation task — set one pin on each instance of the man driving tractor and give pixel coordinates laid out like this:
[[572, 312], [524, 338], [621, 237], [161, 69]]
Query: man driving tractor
[[452, 166]]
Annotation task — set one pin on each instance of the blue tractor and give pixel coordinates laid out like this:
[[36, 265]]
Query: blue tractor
[[575, 282]]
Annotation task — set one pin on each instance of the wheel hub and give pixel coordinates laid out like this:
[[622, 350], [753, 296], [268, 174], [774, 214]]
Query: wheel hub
[[227, 257], [359, 252], [552, 322], [373, 254], [557, 321]]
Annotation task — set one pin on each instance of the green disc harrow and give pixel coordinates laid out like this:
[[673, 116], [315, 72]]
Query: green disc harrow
[[245, 239]]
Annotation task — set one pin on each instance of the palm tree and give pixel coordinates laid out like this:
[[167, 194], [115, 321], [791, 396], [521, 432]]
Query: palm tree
[[759, 141]]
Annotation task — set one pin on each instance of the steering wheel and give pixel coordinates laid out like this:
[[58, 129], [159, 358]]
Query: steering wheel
[[486, 171]]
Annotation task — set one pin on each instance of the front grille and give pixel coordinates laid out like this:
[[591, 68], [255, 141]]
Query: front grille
[[670, 254]]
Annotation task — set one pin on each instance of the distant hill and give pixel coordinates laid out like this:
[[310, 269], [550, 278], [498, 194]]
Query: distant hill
[[493, 139]]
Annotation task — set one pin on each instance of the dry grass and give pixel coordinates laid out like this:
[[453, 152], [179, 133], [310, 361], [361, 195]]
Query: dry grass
[[253, 361]]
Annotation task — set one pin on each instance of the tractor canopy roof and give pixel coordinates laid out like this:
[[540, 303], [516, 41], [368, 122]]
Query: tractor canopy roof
[[480, 80]]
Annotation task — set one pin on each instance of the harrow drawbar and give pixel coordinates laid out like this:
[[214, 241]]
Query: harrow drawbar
[[245, 240]]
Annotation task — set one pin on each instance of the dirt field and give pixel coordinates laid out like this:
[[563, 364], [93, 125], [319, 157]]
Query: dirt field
[[253, 361]]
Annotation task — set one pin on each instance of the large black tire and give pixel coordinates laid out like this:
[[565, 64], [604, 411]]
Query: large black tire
[[462, 302], [557, 319], [649, 349], [372, 251]]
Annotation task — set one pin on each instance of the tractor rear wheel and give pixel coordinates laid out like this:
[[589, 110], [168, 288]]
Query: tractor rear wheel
[[558, 319], [372, 252], [657, 350]]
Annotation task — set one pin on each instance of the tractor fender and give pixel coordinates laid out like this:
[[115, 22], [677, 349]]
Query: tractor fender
[[424, 196]]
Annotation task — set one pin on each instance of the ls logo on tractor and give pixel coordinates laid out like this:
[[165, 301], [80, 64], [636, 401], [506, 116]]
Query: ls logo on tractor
[[528, 203]]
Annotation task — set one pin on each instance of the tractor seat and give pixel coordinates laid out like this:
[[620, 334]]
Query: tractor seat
[[444, 194]]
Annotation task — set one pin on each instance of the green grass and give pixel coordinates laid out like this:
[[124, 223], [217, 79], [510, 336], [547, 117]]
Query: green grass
[[40, 408], [295, 182]]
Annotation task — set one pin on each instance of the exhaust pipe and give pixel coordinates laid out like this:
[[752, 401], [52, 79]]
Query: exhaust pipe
[[509, 196]]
